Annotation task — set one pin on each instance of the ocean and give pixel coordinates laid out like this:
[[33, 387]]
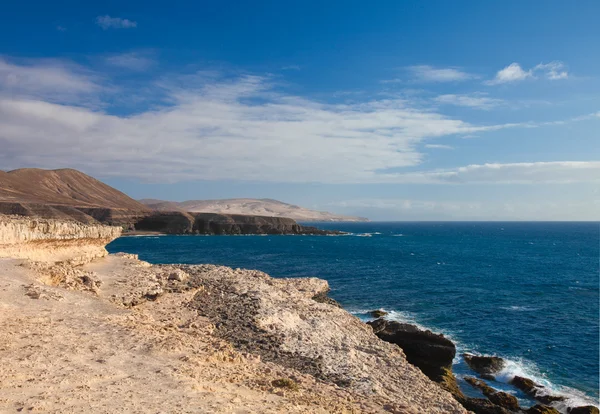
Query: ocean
[[525, 291]]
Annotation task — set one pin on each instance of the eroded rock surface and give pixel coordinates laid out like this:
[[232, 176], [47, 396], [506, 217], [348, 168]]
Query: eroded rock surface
[[49, 240]]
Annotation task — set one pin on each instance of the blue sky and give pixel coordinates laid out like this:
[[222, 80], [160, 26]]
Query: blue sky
[[396, 110]]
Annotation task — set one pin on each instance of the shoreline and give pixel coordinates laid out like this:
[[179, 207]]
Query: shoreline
[[278, 340]]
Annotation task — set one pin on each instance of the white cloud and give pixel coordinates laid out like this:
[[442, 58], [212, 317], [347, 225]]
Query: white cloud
[[106, 22], [426, 73], [553, 70], [61, 28], [133, 61], [514, 73], [478, 101], [438, 146], [215, 128], [514, 173], [46, 79]]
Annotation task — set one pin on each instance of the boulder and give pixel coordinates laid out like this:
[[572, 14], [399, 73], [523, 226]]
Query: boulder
[[532, 389], [542, 409], [378, 313], [500, 398], [505, 400], [432, 353], [482, 406], [588, 409], [484, 364]]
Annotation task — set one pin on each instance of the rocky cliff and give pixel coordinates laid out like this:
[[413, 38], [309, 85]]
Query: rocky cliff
[[53, 240], [210, 223]]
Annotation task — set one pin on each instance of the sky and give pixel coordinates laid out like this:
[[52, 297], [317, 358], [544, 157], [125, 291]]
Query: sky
[[395, 110]]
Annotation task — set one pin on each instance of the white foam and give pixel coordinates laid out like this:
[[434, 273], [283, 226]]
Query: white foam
[[513, 367], [518, 308], [527, 369]]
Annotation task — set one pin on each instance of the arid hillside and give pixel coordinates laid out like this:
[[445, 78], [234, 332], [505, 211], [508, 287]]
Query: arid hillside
[[249, 206], [61, 187]]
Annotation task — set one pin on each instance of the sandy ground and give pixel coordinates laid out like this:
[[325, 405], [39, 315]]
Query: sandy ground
[[74, 351]]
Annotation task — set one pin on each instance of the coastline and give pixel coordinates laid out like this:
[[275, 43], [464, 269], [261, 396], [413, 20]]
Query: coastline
[[278, 339], [117, 333]]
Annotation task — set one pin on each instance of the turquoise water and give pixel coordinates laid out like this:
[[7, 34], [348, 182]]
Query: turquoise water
[[528, 292]]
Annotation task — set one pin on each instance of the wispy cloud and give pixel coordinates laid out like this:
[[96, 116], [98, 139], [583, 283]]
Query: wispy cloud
[[553, 70], [136, 61], [513, 173], [426, 73], [478, 101], [106, 22], [515, 73], [438, 146], [50, 80], [215, 127], [61, 28]]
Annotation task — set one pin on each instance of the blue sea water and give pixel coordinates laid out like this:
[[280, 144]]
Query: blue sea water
[[528, 292]]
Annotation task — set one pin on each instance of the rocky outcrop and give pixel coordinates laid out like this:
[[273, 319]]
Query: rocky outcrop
[[178, 222], [432, 353], [535, 390], [499, 398], [279, 320], [542, 409], [53, 240], [588, 409], [484, 365], [378, 313]]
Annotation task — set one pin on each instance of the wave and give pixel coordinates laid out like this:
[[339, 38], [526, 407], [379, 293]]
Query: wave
[[513, 366], [528, 369], [518, 308]]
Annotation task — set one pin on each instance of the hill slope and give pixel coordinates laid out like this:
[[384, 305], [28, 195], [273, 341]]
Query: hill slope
[[249, 206], [64, 187]]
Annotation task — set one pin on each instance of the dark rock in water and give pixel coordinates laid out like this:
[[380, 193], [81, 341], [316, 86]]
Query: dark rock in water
[[524, 384], [484, 364], [432, 353], [505, 400], [488, 377], [500, 398], [486, 389], [588, 409], [378, 313], [482, 406], [532, 389], [542, 409]]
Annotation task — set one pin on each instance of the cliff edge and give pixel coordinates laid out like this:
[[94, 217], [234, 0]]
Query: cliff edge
[[50, 240]]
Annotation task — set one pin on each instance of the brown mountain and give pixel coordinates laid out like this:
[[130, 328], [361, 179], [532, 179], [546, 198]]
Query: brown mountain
[[66, 194], [62, 187]]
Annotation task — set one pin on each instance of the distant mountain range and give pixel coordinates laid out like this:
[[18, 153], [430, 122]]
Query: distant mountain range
[[71, 194], [248, 206]]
